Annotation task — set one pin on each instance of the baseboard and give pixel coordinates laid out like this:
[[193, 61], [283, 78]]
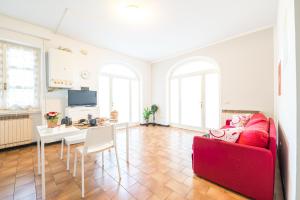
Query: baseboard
[[155, 124], [25, 145]]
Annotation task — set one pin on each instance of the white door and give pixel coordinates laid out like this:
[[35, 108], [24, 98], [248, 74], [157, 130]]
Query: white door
[[194, 101], [191, 101], [121, 94], [120, 98]]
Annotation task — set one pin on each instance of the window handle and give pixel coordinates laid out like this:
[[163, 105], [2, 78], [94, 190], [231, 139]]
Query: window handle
[[4, 86]]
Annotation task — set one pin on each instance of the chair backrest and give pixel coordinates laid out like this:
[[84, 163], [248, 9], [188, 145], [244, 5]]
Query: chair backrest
[[98, 136]]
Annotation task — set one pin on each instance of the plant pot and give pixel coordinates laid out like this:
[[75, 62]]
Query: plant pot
[[52, 123], [147, 122]]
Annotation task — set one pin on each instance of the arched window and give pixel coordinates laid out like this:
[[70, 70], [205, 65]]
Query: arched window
[[194, 94], [119, 90]]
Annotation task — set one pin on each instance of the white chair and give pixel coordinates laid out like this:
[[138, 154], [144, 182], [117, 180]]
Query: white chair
[[69, 140], [98, 139]]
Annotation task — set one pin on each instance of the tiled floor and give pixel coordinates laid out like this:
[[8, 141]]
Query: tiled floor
[[160, 168]]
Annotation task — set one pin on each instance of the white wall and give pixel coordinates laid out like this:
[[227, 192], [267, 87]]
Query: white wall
[[287, 102], [96, 58], [246, 65], [297, 24]]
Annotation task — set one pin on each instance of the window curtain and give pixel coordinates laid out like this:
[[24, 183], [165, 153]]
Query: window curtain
[[20, 73]]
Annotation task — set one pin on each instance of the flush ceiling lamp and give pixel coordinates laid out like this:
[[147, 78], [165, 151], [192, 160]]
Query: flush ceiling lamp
[[132, 13]]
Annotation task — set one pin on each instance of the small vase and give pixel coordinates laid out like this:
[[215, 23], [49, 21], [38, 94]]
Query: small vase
[[52, 123]]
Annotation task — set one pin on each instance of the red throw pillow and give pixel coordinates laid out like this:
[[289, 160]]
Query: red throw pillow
[[260, 125], [257, 117], [254, 137]]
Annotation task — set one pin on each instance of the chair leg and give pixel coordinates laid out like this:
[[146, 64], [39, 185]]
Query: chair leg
[[62, 149], [68, 157], [82, 175], [117, 158], [102, 159], [75, 163]]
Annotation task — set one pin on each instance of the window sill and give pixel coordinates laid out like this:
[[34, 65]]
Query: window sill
[[18, 112]]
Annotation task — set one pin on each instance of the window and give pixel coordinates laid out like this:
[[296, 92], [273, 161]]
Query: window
[[119, 90], [19, 76], [194, 95]]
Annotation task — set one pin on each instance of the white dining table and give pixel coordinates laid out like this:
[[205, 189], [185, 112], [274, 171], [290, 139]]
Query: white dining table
[[48, 135]]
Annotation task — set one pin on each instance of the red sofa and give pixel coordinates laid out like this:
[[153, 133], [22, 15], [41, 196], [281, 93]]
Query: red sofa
[[246, 169]]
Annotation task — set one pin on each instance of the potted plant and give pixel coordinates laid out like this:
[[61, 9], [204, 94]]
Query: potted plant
[[147, 113], [154, 109], [52, 119]]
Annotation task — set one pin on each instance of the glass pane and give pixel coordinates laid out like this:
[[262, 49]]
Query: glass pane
[[104, 96], [120, 98], [22, 76], [15, 98], [191, 101], [135, 101], [174, 101], [212, 113], [118, 70]]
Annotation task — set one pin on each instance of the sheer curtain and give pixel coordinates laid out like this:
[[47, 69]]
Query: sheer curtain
[[19, 77]]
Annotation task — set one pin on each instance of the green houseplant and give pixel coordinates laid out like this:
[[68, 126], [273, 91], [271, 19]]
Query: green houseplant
[[154, 109], [147, 113]]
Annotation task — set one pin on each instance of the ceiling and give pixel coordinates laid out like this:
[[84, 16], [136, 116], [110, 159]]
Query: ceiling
[[146, 29]]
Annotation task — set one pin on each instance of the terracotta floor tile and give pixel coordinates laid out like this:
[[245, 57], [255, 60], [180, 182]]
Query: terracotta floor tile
[[160, 167], [7, 190], [178, 188], [139, 191], [24, 190]]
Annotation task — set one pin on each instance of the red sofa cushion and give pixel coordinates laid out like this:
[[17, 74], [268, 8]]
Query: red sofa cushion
[[260, 125], [257, 117], [254, 137]]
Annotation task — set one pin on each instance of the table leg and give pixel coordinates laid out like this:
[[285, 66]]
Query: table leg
[[43, 170], [38, 142], [127, 144]]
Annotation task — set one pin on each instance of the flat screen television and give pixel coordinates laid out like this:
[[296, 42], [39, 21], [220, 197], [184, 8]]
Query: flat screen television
[[82, 98]]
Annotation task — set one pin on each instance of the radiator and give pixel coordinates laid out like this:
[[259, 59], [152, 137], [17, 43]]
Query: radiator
[[227, 114], [15, 130]]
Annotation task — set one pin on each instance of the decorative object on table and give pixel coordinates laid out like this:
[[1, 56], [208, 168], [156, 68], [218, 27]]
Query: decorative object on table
[[67, 121], [154, 109], [93, 122], [102, 120], [89, 117], [147, 113], [114, 115], [52, 119]]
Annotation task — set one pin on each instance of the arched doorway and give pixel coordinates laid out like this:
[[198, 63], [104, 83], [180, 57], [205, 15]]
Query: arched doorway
[[194, 99], [119, 89]]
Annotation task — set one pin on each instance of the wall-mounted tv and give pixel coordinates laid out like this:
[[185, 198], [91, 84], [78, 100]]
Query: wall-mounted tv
[[82, 98]]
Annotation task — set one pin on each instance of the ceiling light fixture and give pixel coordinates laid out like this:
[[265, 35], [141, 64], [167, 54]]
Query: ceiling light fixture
[[132, 13]]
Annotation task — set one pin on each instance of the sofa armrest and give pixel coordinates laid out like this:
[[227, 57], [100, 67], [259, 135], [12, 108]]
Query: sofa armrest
[[246, 169]]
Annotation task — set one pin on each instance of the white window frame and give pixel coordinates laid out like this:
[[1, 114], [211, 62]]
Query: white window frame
[[3, 87], [202, 73], [130, 79]]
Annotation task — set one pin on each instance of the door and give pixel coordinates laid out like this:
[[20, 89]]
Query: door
[[191, 101], [194, 101], [120, 98]]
